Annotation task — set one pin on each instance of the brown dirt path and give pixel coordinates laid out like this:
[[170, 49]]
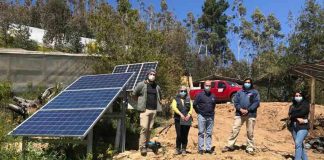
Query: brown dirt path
[[271, 142]]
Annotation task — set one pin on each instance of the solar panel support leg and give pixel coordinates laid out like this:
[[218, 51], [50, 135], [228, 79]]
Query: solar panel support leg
[[124, 107], [89, 142], [24, 148], [118, 135]]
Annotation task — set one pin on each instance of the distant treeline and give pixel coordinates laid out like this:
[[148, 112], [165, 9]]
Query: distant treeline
[[198, 46]]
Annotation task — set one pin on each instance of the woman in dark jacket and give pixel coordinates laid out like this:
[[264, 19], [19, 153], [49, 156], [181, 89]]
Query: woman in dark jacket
[[298, 113], [182, 107]]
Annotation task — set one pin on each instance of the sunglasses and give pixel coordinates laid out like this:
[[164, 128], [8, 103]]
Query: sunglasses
[[183, 91]]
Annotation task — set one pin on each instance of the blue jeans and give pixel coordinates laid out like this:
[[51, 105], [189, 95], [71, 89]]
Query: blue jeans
[[299, 135], [205, 127]]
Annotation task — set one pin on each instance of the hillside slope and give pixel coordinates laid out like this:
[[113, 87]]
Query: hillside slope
[[272, 143]]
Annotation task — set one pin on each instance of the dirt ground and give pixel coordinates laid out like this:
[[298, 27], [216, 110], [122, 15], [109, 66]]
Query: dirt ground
[[271, 142]]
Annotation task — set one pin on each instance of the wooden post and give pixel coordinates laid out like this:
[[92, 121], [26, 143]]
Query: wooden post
[[24, 148], [269, 87], [190, 82], [89, 141], [312, 107]]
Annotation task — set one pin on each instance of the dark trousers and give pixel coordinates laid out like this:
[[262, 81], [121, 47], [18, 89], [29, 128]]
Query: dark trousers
[[182, 134]]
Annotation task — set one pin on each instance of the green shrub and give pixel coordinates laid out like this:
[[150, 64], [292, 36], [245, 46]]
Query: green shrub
[[8, 144], [44, 49], [32, 92], [8, 149], [5, 93]]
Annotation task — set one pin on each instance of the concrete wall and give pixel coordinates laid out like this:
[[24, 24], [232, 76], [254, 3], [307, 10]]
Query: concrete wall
[[24, 67]]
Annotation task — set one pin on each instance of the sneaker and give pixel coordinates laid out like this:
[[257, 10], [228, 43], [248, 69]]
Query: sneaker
[[250, 151], [201, 152], [177, 152], [183, 152], [143, 151], [227, 149], [209, 151]]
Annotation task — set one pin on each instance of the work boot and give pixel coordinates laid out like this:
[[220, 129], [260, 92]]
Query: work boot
[[143, 151]]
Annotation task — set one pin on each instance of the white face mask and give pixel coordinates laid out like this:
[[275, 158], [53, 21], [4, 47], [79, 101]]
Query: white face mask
[[207, 89], [151, 78], [298, 99]]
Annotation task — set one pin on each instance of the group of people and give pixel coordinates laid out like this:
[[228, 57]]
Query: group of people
[[246, 103]]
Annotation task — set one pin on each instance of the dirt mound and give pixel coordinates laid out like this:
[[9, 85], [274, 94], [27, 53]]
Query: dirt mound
[[271, 141]]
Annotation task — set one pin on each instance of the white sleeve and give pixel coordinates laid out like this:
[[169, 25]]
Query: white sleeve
[[305, 120]]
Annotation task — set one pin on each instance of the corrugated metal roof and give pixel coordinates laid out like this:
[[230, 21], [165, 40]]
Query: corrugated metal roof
[[315, 70]]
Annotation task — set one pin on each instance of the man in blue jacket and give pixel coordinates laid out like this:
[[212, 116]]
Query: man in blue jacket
[[246, 103], [204, 105]]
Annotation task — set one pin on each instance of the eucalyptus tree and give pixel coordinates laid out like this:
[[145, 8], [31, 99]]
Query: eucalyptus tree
[[213, 29]]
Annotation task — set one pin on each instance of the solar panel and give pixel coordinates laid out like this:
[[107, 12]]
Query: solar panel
[[83, 99], [133, 68], [75, 110], [100, 81], [120, 69], [58, 123], [140, 70], [146, 67]]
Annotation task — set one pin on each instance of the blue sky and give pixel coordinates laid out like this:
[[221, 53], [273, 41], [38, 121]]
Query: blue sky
[[280, 8]]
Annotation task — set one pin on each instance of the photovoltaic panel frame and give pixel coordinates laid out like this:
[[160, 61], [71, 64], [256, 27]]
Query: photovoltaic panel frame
[[74, 111], [61, 123], [98, 98], [140, 70], [99, 81], [146, 67], [133, 68], [120, 69]]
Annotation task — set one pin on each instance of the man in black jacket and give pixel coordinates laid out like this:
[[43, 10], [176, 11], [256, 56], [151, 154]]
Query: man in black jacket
[[204, 105]]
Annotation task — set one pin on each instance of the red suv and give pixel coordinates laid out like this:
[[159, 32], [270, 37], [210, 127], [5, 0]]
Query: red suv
[[223, 90]]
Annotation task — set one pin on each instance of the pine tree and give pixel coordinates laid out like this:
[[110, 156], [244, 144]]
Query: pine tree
[[6, 18], [36, 14], [307, 40], [213, 29], [55, 20]]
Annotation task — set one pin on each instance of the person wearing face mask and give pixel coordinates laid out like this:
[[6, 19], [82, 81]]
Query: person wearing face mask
[[246, 103], [204, 104], [182, 107], [298, 114], [148, 94]]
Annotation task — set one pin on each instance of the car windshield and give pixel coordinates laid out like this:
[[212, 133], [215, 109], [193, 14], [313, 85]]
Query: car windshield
[[233, 84]]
